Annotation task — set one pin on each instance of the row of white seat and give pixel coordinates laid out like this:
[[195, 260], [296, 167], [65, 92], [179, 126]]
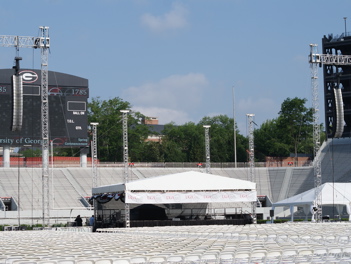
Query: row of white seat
[[308, 231], [241, 257], [187, 245]]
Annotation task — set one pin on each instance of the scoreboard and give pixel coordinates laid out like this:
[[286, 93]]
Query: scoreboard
[[68, 98]]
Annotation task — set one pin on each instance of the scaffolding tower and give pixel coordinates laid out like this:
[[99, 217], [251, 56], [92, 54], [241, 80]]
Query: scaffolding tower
[[43, 43]]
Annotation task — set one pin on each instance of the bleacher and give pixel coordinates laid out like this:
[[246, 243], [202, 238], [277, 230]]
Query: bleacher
[[336, 156], [68, 186]]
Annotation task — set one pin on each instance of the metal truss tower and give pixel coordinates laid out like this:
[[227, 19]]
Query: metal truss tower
[[252, 159], [43, 43], [207, 146], [125, 162], [315, 60], [96, 179], [251, 147]]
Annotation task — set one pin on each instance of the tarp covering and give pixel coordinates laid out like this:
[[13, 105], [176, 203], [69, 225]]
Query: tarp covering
[[186, 187], [337, 194], [332, 193]]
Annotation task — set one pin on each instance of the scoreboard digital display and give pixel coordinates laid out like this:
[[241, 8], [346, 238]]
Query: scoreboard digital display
[[68, 99]]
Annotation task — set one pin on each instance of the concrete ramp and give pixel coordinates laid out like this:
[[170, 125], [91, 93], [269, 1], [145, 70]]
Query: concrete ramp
[[138, 174], [286, 183]]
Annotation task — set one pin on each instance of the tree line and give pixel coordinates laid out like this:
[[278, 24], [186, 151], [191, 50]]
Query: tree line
[[290, 132]]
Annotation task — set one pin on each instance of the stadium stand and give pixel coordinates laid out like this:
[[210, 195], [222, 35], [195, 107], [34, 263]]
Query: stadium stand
[[71, 185]]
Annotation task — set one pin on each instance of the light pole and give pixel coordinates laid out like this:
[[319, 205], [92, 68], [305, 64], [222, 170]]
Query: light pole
[[345, 24], [235, 157], [207, 146]]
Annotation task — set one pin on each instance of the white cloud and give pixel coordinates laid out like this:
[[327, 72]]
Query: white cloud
[[262, 108], [169, 99], [174, 19], [259, 106]]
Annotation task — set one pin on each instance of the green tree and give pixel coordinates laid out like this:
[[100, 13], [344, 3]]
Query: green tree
[[295, 125], [66, 152], [137, 135], [151, 152], [222, 139], [291, 132], [30, 152], [172, 152], [187, 141], [110, 132], [267, 142]]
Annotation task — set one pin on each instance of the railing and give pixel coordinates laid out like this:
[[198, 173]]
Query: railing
[[213, 164], [339, 37], [38, 164]]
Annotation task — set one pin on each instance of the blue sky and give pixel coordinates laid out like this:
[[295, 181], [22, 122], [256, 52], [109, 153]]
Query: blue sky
[[179, 60]]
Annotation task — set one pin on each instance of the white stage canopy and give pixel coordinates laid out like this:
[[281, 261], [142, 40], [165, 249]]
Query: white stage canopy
[[332, 194], [186, 187]]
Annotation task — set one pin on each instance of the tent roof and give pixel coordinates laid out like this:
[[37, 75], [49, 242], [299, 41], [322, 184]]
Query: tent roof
[[332, 193], [185, 181]]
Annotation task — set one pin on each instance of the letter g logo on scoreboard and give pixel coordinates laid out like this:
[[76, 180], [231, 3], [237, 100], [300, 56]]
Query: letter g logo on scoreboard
[[28, 76]]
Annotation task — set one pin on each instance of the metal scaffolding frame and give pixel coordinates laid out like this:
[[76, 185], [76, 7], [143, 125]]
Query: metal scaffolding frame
[[125, 162], [316, 60], [43, 43], [252, 159], [94, 159], [207, 147]]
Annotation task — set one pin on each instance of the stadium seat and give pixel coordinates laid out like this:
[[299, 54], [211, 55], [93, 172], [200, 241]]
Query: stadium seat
[[157, 259], [104, 261], [121, 261], [138, 260], [65, 261], [174, 259], [85, 261]]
